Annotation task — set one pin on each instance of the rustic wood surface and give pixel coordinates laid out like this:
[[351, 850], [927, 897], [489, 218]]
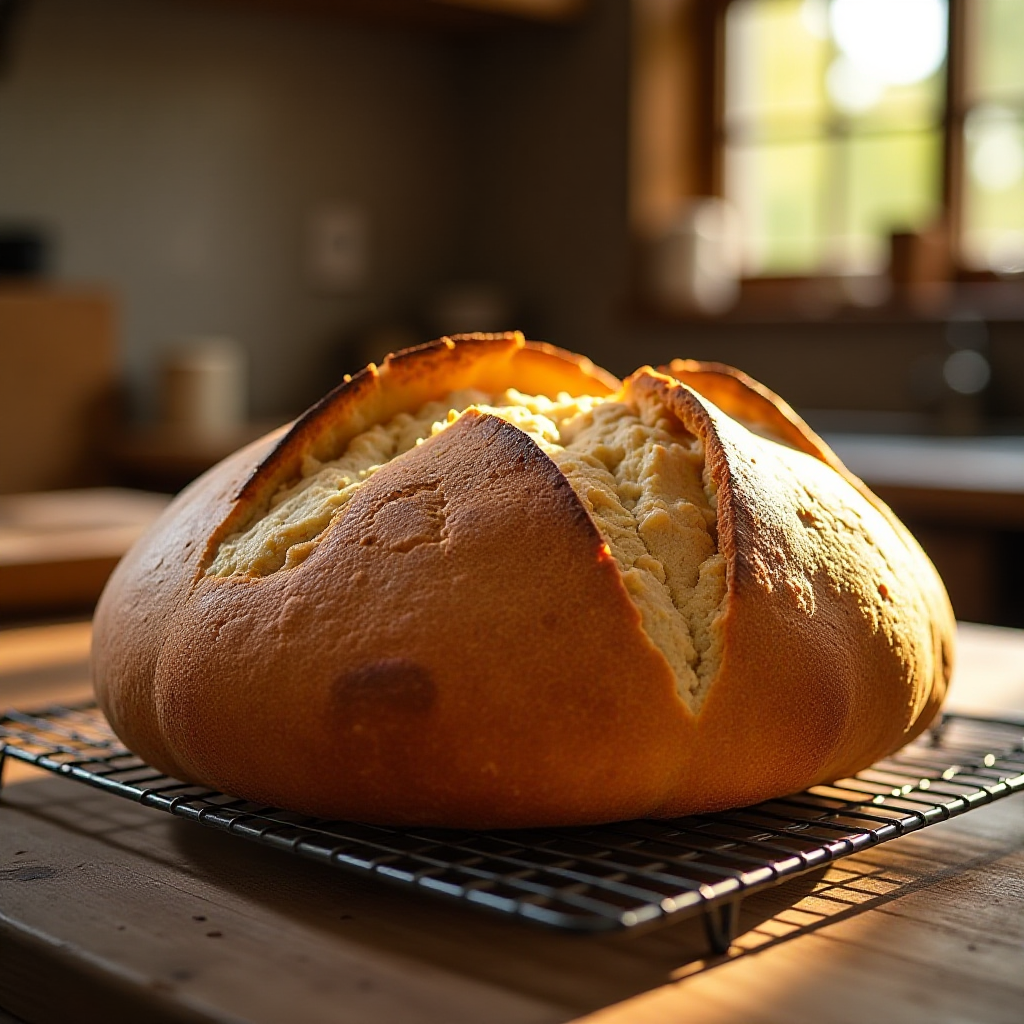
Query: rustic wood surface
[[113, 912]]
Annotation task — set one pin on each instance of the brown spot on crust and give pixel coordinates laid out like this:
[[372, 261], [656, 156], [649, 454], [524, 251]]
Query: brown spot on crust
[[384, 688]]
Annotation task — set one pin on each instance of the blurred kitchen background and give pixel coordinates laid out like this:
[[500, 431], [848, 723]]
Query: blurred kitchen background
[[210, 210]]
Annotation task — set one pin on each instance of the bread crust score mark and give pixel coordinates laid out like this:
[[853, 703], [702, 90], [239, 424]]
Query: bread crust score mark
[[481, 663]]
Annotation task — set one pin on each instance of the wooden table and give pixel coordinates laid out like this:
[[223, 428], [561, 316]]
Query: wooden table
[[114, 912]]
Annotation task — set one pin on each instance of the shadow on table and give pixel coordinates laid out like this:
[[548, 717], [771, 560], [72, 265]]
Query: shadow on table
[[580, 972]]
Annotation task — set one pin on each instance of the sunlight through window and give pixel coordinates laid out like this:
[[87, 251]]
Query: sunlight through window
[[833, 128]]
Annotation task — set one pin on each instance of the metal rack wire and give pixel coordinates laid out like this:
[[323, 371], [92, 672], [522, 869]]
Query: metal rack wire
[[587, 879]]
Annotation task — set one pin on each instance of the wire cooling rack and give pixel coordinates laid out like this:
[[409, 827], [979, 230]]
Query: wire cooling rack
[[587, 879]]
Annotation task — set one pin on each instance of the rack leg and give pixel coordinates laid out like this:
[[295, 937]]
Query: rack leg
[[937, 731], [720, 925]]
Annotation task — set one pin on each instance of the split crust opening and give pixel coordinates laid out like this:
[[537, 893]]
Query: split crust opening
[[638, 473]]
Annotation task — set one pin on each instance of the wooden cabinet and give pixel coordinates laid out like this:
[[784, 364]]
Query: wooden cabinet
[[58, 377]]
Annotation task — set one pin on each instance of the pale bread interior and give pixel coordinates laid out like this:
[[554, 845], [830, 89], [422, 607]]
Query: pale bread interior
[[639, 474]]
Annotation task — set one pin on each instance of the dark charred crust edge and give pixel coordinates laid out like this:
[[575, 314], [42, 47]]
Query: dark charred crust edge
[[521, 445], [525, 446]]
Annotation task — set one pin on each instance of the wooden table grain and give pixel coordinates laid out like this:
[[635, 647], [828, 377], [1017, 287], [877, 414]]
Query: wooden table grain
[[114, 912]]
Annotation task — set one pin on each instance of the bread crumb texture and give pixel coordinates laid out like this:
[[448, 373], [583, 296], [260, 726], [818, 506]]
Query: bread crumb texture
[[637, 471]]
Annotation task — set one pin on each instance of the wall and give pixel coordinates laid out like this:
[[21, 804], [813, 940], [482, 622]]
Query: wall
[[175, 149], [546, 131]]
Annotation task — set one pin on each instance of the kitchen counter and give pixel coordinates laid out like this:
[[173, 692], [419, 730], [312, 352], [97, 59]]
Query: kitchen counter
[[963, 498], [972, 480], [114, 912], [983, 464]]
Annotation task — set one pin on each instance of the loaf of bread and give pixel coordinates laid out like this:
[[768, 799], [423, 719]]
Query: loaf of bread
[[488, 585]]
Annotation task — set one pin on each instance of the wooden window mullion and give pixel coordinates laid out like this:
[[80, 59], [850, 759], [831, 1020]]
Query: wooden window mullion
[[953, 125]]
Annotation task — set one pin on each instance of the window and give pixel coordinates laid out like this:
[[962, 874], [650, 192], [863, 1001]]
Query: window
[[989, 117], [832, 128], [833, 124]]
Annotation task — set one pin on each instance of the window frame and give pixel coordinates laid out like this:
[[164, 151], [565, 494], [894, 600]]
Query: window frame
[[679, 73]]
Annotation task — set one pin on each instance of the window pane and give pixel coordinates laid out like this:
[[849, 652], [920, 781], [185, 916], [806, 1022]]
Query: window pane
[[791, 65], [893, 184], [905, 107], [778, 190], [996, 49], [834, 111], [993, 224], [889, 63], [776, 51]]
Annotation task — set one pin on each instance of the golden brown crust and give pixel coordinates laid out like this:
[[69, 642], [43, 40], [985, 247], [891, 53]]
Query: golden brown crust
[[832, 616], [460, 648], [745, 399], [136, 610], [449, 568]]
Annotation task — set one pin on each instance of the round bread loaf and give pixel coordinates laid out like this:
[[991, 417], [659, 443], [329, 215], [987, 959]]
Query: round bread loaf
[[486, 585]]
